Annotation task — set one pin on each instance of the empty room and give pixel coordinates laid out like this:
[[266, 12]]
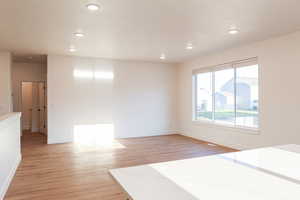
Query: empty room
[[149, 100]]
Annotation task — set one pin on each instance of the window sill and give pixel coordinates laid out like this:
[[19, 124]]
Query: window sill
[[241, 129]]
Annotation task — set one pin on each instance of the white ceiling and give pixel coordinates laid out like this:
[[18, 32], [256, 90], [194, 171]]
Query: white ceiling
[[141, 29]]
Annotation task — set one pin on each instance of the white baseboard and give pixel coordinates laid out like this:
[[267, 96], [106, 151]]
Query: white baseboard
[[206, 139], [26, 127], [150, 134], [9, 178]]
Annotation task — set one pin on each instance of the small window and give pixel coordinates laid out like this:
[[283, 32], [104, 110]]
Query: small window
[[228, 94]]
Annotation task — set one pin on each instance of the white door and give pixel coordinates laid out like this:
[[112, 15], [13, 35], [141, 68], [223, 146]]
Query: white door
[[26, 105], [34, 107]]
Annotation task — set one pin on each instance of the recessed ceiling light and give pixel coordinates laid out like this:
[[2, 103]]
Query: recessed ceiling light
[[189, 46], [233, 31], [93, 6], [79, 34], [162, 56]]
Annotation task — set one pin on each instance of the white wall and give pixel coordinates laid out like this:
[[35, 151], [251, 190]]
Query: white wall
[[5, 83], [10, 151], [139, 101], [279, 61]]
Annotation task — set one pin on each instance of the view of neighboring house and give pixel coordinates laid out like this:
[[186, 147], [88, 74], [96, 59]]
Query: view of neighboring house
[[235, 101], [246, 94], [246, 98]]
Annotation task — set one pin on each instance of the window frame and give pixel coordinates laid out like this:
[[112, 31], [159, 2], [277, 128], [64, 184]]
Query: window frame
[[231, 65]]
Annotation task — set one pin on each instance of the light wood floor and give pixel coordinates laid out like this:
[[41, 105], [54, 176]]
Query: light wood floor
[[72, 171]]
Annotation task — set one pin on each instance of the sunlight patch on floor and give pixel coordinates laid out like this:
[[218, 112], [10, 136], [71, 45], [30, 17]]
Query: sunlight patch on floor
[[96, 135]]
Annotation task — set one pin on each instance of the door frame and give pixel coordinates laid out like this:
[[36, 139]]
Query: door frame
[[45, 100]]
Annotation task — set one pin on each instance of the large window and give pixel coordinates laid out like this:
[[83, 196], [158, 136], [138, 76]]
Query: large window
[[228, 94]]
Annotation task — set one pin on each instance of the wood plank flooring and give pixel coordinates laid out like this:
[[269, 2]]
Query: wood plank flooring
[[74, 171]]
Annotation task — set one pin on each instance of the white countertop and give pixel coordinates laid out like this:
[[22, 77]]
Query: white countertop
[[8, 116], [271, 173]]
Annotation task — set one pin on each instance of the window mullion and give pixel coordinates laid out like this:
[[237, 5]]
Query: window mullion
[[213, 96], [195, 97], [235, 99]]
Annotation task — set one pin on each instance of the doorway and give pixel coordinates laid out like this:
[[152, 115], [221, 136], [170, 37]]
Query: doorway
[[34, 110]]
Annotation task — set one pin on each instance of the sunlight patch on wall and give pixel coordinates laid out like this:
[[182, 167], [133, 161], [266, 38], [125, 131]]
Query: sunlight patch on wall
[[89, 74], [85, 74], [104, 75]]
